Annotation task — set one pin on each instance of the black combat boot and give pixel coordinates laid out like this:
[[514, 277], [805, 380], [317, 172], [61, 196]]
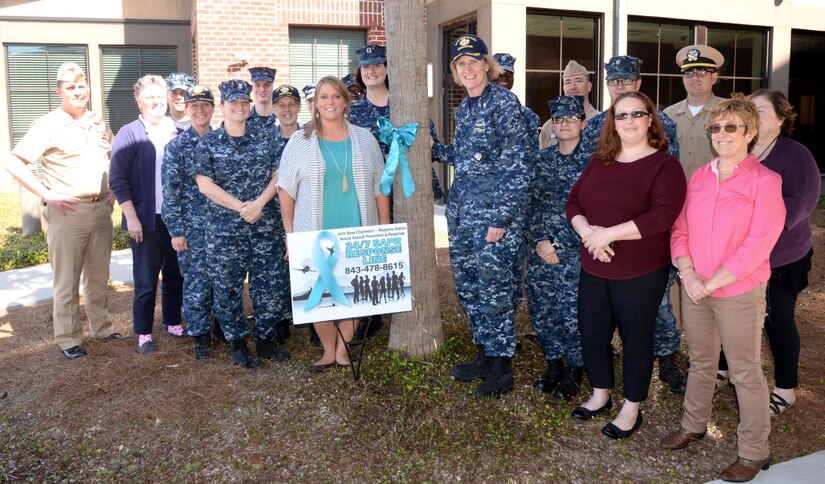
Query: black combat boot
[[551, 377], [203, 346], [570, 383], [267, 348], [282, 331], [217, 334], [241, 355], [670, 373], [499, 379], [475, 369]]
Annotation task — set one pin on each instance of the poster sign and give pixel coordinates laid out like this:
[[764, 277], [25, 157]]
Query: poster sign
[[348, 273]]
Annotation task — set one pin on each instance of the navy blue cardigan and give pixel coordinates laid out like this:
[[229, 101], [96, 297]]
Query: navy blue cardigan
[[132, 171]]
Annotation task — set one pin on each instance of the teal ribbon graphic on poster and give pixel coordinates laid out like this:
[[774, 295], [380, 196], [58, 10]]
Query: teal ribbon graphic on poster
[[324, 264], [400, 140], [347, 273]]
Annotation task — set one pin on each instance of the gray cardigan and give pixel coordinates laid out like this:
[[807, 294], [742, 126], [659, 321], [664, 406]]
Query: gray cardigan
[[302, 169]]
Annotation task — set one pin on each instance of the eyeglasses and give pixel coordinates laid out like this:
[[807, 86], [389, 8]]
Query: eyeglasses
[[615, 82], [700, 73], [565, 119], [729, 128], [632, 114]]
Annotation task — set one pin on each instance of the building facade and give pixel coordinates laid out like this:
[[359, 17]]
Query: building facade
[[767, 43]]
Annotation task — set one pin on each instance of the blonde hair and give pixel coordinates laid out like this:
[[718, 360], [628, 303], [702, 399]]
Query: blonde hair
[[146, 81], [69, 69], [493, 73], [315, 124]]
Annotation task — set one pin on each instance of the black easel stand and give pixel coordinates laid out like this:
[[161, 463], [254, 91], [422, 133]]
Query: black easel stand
[[355, 361]]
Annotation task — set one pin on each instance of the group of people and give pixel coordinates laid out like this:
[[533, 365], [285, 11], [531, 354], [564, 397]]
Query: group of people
[[596, 215], [614, 208]]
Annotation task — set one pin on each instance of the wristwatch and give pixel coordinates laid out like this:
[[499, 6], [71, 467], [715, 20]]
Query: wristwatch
[[555, 245]]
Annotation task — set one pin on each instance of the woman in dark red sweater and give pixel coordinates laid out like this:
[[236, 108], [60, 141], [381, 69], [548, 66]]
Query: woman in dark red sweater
[[623, 207]]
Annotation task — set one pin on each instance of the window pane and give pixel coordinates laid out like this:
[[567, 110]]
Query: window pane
[[674, 38], [541, 88], [724, 40], [749, 54], [671, 90], [32, 70], [643, 42], [543, 42], [122, 67], [315, 53], [578, 41]]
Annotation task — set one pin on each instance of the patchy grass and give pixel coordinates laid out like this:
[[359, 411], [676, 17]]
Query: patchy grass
[[18, 250], [120, 416]]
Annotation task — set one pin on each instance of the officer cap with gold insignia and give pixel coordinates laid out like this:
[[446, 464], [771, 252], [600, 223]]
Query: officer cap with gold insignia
[[199, 93], [285, 91], [699, 57]]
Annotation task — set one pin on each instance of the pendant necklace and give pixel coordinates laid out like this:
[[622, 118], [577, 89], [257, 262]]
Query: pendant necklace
[[767, 148], [343, 172]]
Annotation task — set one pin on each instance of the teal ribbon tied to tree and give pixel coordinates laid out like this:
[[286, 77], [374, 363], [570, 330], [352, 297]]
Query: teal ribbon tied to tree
[[400, 140], [326, 279]]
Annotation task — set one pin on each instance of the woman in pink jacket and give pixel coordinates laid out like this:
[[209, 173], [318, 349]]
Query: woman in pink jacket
[[721, 246]]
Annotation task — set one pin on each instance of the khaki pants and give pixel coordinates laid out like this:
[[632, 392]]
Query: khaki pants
[[735, 323], [80, 242]]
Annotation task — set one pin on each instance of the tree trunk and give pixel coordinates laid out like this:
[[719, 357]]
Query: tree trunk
[[418, 332]]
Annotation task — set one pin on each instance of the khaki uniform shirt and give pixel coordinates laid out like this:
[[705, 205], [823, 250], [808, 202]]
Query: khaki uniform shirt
[[75, 153], [695, 149], [547, 130]]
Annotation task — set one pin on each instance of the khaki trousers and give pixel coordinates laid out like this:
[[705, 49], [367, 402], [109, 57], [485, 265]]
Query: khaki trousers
[[80, 242], [735, 323]]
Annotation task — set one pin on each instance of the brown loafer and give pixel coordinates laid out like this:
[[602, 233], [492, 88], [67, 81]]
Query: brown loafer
[[743, 470], [679, 439]]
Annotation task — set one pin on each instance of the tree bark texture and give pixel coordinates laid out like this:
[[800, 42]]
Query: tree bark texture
[[417, 333]]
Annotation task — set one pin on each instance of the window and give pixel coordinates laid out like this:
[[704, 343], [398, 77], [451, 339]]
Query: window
[[318, 52], [32, 71], [122, 67], [657, 43], [553, 41]]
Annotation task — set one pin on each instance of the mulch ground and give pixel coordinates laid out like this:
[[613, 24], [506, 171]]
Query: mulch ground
[[117, 415]]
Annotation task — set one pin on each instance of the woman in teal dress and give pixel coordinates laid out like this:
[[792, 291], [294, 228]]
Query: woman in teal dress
[[329, 178]]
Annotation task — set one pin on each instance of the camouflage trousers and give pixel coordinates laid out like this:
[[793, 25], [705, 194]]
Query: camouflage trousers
[[666, 333], [197, 285], [484, 283], [519, 272], [552, 296], [261, 255]]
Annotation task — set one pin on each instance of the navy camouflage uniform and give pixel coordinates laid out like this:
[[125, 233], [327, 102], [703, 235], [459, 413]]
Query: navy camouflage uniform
[[552, 289], [243, 167], [532, 123], [490, 188], [666, 333], [185, 215]]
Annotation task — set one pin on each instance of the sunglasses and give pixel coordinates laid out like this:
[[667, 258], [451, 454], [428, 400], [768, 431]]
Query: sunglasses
[[625, 82], [700, 73], [565, 119], [632, 114], [729, 128]]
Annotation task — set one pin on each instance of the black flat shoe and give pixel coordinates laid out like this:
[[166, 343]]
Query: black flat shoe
[[583, 413], [74, 352], [614, 432], [116, 337]]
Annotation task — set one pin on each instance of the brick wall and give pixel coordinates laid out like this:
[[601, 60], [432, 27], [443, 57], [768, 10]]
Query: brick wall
[[259, 29]]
